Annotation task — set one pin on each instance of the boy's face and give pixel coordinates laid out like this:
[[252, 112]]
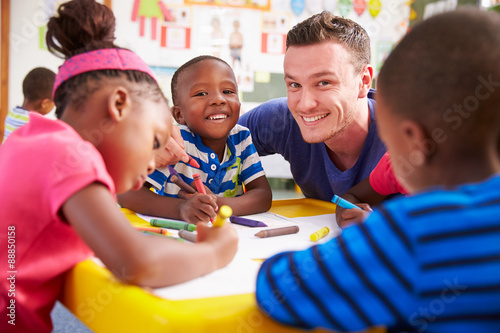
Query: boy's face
[[208, 100]]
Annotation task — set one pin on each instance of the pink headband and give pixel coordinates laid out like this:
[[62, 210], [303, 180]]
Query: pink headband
[[120, 59]]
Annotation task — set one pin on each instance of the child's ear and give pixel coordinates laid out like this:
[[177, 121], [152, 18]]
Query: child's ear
[[119, 104], [176, 111], [417, 140], [46, 105]]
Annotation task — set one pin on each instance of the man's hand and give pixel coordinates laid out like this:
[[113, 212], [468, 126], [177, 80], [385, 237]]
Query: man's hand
[[174, 150]]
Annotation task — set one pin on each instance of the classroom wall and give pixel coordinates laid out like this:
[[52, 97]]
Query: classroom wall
[[164, 45], [27, 49], [170, 32]]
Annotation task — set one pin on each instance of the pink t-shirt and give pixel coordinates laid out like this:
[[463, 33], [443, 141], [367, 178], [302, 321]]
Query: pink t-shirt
[[383, 180], [42, 164]]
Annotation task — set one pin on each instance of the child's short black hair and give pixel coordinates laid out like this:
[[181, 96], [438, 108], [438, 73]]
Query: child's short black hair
[[175, 78], [38, 84], [445, 75]]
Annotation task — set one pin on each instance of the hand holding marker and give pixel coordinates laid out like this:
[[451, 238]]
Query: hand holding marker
[[224, 213], [344, 203]]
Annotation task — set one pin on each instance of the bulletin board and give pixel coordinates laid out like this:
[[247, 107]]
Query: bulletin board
[[250, 35]]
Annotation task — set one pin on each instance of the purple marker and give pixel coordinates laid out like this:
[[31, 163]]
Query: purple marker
[[247, 222]]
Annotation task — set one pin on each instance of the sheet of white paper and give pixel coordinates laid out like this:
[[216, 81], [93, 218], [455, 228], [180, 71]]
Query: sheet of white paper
[[237, 278], [240, 275]]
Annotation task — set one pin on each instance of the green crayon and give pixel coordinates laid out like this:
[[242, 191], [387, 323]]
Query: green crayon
[[173, 224]]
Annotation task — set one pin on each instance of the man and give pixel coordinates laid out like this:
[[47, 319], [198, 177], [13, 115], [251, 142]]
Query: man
[[325, 128]]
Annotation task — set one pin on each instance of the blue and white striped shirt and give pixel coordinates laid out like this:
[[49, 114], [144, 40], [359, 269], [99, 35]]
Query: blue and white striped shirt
[[426, 263], [240, 165], [16, 118]]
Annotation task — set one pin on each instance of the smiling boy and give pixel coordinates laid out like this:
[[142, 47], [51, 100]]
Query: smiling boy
[[207, 107]]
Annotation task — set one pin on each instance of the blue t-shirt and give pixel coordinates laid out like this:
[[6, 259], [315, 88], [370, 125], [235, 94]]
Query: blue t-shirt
[[425, 263], [240, 165], [275, 131]]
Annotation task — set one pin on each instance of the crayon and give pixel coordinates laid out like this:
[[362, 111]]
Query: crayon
[[188, 235], [224, 213], [247, 222], [157, 234], [192, 162], [199, 184], [172, 224], [172, 170], [277, 232], [182, 184], [155, 230], [319, 234], [343, 202]]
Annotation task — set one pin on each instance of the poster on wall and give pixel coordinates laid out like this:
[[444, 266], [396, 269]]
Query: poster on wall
[[168, 23], [229, 34], [251, 4], [274, 29]]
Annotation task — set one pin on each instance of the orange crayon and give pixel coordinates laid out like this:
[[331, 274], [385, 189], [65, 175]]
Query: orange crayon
[[162, 231]]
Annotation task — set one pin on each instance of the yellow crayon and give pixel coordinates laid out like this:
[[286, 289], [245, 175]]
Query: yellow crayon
[[224, 213], [320, 234]]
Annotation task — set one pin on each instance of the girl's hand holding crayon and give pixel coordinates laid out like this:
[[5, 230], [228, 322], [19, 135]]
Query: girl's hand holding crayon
[[223, 239]]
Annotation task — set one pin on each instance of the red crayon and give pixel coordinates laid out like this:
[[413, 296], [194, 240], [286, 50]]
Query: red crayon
[[199, 184], [192, 162]]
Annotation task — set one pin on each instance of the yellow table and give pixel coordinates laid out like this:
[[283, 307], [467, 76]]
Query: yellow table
[[106, 305]]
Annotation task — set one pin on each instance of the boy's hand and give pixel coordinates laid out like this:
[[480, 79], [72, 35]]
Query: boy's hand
[[198, 207], [347, 217], [174, 150], [224, 241]]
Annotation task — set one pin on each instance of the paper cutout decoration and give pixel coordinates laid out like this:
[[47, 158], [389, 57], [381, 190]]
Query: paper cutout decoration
[[345, 7], [359, 6], [374, 7], [298, 6]]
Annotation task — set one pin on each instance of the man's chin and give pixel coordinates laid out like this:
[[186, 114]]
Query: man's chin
[[315, 138]]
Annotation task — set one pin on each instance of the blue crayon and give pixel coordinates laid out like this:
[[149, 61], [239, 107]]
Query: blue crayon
[[247, 222], [343, 202]]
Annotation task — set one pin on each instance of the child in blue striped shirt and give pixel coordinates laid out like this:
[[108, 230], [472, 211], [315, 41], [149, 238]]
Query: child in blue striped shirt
[[428, 262], [207, 107], [37, 91]]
